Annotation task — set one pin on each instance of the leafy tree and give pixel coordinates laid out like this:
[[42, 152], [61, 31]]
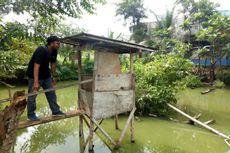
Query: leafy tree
[[134, 10], [47, 14], [166, 21], [72, 8], [217, 33], [213, 28], [158, 82], [196, 12]]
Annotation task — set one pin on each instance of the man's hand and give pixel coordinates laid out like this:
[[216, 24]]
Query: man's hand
[[36, 87]]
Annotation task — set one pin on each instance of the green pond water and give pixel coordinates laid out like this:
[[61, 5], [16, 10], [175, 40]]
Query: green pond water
[[152, 135]]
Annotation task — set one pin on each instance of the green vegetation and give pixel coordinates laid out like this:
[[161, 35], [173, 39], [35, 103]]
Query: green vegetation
[[158, 82], [159, 76], [134, 10], [18, 41]]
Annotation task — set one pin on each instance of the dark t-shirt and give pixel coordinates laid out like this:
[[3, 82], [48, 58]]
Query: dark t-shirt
[[43, 57]]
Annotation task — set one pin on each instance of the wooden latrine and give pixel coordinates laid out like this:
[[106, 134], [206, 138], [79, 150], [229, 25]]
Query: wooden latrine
[[107, 91]]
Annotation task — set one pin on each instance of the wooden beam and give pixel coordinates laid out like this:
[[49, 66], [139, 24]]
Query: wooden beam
[[91, 129], [85, 81], [24, 124], [125, 128], [103, 132], [116, 122], [131, 62], [133, 87], [200, 123], [99, 124]]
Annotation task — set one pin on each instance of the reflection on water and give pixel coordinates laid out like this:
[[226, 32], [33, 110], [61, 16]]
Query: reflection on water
[[152, 135], [55, 137]]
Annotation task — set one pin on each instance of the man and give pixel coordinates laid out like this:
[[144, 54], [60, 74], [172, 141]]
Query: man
[[39, 74]]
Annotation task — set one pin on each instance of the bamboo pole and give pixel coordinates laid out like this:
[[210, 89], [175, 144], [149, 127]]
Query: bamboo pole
[[116, 122], [91, 129], [81, 131], [133, 88], [200, 123], [103, 132], [99, 124], [125, 128]]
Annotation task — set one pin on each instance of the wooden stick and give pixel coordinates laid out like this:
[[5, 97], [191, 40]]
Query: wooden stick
[[91, 128], [24, 124], [81, 130], [199, 122], [86, 122], [99, 124], [133, 88], [104, 132], [131, 62], [116, 122], [209, 122], [125, 128], [86, 81], [132, 130], [10, 95]]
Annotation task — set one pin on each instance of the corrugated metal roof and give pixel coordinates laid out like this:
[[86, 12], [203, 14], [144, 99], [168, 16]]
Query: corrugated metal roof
[[103, 42]]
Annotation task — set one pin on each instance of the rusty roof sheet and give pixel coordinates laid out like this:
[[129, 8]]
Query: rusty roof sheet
[[103, 42]]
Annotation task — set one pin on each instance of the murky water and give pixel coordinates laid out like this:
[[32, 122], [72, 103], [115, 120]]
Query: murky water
[[152, 135]]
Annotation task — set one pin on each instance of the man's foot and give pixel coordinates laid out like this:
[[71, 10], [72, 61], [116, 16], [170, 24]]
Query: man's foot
[[33, 118], [60, 113]]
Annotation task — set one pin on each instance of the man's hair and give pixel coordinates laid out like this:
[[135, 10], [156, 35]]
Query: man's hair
[[52, 39]]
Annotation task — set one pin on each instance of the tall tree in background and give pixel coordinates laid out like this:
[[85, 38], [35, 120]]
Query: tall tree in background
[[211, 26], [72, 8], [18, 41], [46, 14], [134, 10]]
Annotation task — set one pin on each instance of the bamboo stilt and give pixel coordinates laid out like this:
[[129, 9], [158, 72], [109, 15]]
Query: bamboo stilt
[[99, 124], [91, 129], [125, 128], [116, 122], [132, 130], [103, 132]]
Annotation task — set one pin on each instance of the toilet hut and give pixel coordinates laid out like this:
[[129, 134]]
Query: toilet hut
[[107, 92]]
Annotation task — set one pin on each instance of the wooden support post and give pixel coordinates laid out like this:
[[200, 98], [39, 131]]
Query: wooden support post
[[103, 132], [99, 124], [131, 62], [86, 122], [133, 88], [140, 53], [125, 128], [132, 130], [91, 129], [10, 95], [81, 131], [116, 122]]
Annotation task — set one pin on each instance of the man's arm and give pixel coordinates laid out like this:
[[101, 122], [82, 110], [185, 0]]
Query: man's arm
[[36, 77], [53, 70]]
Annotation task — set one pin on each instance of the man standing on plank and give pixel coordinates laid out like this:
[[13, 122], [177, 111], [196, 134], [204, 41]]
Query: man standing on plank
[[38, 73]]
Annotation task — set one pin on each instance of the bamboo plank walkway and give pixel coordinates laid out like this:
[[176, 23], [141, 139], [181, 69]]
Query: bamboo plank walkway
[[24, 124]]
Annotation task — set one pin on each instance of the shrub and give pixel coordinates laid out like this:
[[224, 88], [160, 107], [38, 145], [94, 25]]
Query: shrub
[[192, 81], [224, 76], [66, 72], [218, 84], [158, 81]]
